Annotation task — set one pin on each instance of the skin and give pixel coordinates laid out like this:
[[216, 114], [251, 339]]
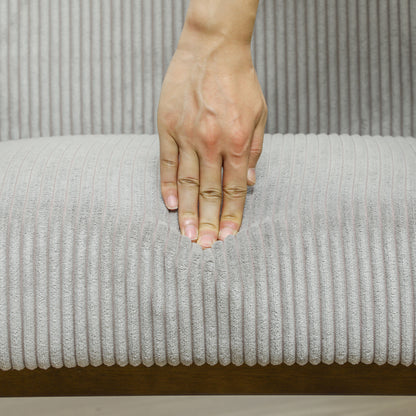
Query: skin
[[211, 119]]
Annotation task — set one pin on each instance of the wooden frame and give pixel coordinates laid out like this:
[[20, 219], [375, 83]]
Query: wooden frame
[[345, 379]]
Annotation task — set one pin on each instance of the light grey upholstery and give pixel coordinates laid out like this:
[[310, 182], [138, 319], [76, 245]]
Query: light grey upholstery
[[93, 267]]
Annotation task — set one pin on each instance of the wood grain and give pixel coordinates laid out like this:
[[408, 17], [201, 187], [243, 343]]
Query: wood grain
[[349, 379]]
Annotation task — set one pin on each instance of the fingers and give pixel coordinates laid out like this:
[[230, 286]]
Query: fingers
[[210, 196], [234, 195], [188, 179], [188, 190], [256, 149], [238, 173], [168, 170]]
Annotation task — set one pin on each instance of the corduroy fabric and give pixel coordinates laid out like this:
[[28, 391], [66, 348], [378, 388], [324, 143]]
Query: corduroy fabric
[[94, 269], [96, 66]]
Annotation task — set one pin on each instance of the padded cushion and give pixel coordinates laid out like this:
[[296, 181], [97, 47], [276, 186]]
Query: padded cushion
[[94, 269]]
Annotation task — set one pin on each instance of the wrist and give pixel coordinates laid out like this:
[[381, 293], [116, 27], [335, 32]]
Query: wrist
[[200, 43], [231, 20], [216, 50]]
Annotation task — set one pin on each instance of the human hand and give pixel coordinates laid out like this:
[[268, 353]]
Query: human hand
[[211, 114]]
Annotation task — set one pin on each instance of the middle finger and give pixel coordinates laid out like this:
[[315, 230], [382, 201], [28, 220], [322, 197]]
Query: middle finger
[[188, 189], [210, 196]]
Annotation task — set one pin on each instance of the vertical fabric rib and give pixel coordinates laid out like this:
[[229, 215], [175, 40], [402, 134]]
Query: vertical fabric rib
[[4, 71], [81, 67], [94, 269]]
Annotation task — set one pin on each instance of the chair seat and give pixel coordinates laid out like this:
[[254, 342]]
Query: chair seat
[[94, 269]]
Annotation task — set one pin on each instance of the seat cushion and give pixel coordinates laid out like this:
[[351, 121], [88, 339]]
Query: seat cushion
[[94, 269]]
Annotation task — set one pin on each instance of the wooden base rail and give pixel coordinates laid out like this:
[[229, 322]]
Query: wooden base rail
[[346, 379]]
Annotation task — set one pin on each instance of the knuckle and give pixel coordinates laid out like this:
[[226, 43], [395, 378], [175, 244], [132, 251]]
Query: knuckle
[[168, 184], [211, 194], [230, 217], [209, 128], [187, 214], [237, 155], [256, 151], [239, 135], [167, 119], [209, 137], [170, 123], [208, 225], [169, 163], [235, 191], [188, 180], [239, 143]]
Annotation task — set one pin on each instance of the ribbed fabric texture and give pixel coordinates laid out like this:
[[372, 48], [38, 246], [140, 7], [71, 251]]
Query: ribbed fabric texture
[[96, 66], [94, 269]]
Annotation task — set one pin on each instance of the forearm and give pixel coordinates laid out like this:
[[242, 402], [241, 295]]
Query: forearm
[[220, 20]]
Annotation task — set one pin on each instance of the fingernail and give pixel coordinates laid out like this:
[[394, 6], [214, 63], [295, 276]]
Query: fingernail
[[191, 232], [251, 175], [205, 240], [225, 232], [172, 202]]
